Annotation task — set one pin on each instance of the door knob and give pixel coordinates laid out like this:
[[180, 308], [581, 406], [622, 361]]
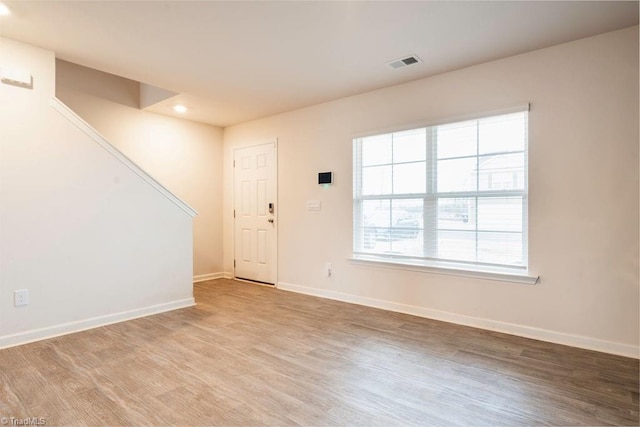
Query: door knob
[[270, 220]]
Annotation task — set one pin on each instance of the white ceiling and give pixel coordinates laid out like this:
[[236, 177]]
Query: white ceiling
[[236, 61]]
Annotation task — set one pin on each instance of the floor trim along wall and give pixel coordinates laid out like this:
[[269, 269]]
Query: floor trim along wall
[[210, 276], [476, 322], [95, 322]]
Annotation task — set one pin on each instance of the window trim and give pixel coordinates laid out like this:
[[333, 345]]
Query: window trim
[[497, 274], [518, 108], [476, 270]]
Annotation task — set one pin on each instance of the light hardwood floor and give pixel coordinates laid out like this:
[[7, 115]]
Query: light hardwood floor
[[253, 355]]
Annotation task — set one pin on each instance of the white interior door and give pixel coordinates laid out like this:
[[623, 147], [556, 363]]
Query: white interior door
[[255, 213]]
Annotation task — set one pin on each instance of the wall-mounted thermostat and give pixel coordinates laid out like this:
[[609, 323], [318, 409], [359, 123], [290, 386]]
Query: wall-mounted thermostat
[[325, 178]]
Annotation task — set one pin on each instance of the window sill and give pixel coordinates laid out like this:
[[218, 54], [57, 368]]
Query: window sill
[[503, 275]]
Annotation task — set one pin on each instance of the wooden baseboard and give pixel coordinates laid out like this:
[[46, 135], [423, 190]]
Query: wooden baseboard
[[210, 276], [94, 322], [476, 322]]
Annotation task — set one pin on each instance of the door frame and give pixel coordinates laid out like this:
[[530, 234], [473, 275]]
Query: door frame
[[273, 141]]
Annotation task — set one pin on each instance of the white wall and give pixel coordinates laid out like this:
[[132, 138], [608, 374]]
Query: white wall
[[185, 156], [583, 217], [91, 241]]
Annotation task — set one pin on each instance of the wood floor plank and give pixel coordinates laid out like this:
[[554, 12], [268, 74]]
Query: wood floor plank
[[254, 355]]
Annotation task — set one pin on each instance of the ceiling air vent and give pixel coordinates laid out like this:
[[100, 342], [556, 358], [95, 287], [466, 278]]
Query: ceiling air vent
[[404, 62]]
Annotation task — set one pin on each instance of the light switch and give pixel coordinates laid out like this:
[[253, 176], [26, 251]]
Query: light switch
[[313, 205]]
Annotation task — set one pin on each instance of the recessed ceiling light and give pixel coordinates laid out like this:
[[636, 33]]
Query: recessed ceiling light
[[4, 10], [180, 109]]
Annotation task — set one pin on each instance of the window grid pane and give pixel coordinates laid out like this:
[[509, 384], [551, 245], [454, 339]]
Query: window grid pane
[[454, 193], [407, 178]]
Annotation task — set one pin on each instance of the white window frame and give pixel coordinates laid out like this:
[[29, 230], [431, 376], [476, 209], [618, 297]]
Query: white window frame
[[519, 274]]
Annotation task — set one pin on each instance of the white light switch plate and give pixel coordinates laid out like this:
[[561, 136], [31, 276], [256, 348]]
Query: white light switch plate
[[313, 205]]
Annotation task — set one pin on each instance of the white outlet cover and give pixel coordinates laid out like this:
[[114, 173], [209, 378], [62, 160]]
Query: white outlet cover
[[20, 297]]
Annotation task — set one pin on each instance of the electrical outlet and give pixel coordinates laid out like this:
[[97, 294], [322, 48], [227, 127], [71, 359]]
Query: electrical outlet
[[327, 268], [20, 297]]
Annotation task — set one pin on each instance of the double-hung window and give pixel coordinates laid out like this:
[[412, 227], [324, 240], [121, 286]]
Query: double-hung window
[[449, 195]]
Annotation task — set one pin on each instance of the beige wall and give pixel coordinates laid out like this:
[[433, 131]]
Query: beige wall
[[583, 208], [89, 238], [182, 155]]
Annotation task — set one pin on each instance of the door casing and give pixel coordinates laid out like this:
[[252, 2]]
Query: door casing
[[274, 268]]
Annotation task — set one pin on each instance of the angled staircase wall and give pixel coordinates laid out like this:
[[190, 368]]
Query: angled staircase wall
[[92, 237]]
